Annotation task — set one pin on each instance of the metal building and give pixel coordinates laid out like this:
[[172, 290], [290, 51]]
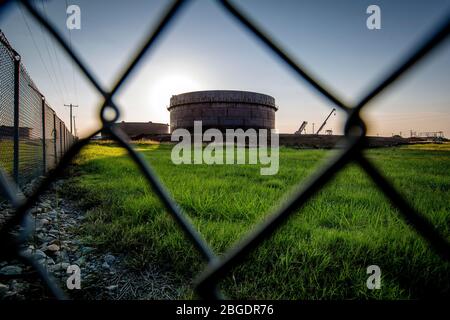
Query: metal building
[[222, 109]]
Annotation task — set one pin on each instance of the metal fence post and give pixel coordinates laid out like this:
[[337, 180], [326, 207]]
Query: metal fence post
[[54, 138], [16, 117], [44, 153], [64, 140], [60, 140]]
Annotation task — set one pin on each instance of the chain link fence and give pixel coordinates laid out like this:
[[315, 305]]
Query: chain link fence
[[217, 268], [6, 105], [28, 129]]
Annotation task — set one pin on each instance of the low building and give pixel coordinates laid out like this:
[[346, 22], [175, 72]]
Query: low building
[[8, 132], [138, 130]]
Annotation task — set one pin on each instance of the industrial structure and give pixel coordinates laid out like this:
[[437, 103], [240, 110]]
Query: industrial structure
[[329, 132], [137, 130], [302, 128], [427, 134], [222, 109]]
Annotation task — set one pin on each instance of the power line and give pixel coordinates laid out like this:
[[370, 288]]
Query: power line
[[58, 64], [38, 51], [51, 61], [73, 68]]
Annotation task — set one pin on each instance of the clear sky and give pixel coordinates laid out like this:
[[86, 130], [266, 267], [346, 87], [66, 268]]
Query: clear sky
[[207, 49]]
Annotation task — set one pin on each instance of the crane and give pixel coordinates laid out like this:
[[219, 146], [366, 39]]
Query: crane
[[325, 122], [302, 127]]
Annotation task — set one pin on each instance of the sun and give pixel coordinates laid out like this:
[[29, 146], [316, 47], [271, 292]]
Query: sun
[[163, 89]]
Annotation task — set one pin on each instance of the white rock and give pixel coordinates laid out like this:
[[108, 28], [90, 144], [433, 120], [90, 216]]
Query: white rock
[[3, 289], [53, 247], [109, 259], [113, 287], [11, 270], [39, 254]]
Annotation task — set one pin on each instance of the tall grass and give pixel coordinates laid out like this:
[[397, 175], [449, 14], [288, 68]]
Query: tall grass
[[321, 253]]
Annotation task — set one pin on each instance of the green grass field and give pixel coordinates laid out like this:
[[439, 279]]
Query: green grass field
[[321, 253]]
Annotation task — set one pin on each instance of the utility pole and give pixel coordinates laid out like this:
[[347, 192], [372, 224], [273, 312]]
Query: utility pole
[[74, 127], [71, 106], [313, 128]]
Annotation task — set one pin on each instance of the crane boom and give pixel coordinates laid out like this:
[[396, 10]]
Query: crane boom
[[325, 122], [302, 127]]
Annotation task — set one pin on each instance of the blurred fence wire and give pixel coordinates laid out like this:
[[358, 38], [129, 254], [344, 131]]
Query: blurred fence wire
[[217, 268]]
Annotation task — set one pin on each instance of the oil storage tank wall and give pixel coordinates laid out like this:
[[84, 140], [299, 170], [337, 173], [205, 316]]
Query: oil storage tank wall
[[222, 110]]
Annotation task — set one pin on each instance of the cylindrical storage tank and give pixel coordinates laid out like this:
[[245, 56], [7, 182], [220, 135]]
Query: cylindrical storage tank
[[222, 109]]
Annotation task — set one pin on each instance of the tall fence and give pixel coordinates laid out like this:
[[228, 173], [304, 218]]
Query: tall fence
[[218, 267], [32, 137]]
